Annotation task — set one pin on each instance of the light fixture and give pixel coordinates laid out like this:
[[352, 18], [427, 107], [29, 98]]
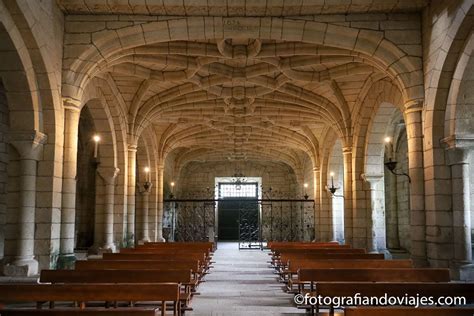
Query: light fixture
[[332, 188], [172, 184], [96, 139], [147, 183], [306, 196], [239, 179], [391, 165]]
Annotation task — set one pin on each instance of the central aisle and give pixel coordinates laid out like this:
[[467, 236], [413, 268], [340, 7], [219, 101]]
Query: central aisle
[[241, 283]]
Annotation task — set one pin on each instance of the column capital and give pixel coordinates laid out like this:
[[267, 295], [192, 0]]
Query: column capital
[[109, 174], [346, 150], [71, 105], [28, 143], [458, 148], [316, 169], [132, 148], [372, 179], [413, 106]]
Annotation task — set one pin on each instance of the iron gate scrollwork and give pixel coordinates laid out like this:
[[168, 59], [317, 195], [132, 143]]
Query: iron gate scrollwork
[[275, 220]]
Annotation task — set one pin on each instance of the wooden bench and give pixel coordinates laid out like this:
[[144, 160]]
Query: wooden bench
[[277, 255], [82, 293], [192, 265], [85, 312], [160, 257], [285, 258], [409, 311], [182, 277], [314, 276], [295, 265], [397, 289]]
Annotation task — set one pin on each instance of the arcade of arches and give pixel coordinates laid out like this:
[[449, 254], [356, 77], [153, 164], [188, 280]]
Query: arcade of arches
[[293, 93]]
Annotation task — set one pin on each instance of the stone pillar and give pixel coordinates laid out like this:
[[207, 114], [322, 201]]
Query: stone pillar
[[461, 203], [132, 182], [317, 199], [29, 146], [68, 210], [332, 218], [348, 216], [145, 233], [413, 120], [393, 239], [373, 181], [160, 189], [109, 174]]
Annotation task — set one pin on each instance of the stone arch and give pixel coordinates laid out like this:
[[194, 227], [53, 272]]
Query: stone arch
[[335, 175], [459, 114], [370, 125], [19, 79], [370, 44]]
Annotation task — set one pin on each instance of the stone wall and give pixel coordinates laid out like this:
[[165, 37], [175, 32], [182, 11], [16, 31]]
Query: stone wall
[[3, 164], [197, 176]]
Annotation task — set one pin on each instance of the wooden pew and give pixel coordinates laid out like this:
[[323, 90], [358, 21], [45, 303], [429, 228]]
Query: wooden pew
[[182, 277], [295, 265], [275, 260], [409, 311], [314, 276], [79, 312], [193, 265], [159, 257], [285, 258], [82, 293], [397, 289]]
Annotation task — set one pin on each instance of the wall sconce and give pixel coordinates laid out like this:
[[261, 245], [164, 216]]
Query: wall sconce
[[172, 190], [306, 196], [391, 165], [147, 183], [96, 139], [332, 189]]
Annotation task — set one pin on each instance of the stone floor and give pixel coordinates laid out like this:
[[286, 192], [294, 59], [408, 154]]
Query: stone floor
[[241, 283]]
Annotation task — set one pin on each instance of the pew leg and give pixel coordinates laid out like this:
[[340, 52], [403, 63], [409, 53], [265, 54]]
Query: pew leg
[[163, 308], [51, 304]]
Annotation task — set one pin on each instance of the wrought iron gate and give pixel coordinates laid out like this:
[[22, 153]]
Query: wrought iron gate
[[275, 220]]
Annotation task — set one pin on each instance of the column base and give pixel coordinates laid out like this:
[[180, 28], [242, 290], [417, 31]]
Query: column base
[[143, 241], [160, 239], [386, 254], [99, 250], [21, 267], [463, 272], [66, 261]]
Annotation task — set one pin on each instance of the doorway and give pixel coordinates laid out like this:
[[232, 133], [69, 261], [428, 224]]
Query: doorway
[[238, 211]]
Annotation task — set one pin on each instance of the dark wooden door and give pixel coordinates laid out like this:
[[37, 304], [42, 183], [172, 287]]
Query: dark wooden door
[[229, 211]]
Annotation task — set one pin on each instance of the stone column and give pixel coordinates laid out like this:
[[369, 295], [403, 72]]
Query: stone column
[[348, 216], [29, 146], [109, 174], [160, 189], [413, 111], [373, 181], [461, 202], [145, 233], [393, 239], [317, 199], [332, 218], [68, 210], [132, 182]]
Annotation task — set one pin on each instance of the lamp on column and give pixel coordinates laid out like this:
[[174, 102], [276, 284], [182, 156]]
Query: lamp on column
[[96, 139], [172, 190], [306, 196], [332, 189], [147, 183], [392, 164]]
